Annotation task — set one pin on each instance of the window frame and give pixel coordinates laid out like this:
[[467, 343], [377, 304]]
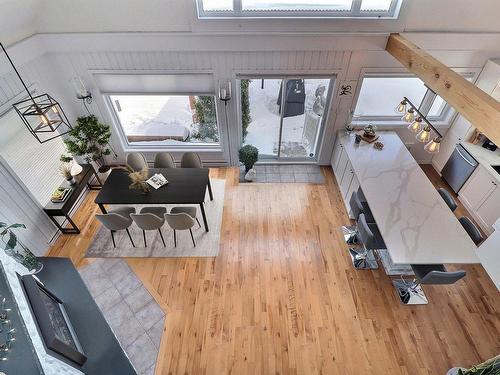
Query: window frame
[[127, 146], [444, 120], [354, 12]]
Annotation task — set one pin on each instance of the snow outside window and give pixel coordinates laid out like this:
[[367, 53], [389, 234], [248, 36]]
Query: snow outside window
[[156, 120]]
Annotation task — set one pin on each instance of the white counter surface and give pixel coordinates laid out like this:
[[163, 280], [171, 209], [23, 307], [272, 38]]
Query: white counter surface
[[415, 222], [484, 157]]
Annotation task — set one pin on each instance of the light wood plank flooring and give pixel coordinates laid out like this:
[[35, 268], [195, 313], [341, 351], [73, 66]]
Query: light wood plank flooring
[[283, 298]]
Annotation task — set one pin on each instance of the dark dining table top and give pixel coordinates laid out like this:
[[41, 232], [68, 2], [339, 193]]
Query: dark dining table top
[[185, 185]]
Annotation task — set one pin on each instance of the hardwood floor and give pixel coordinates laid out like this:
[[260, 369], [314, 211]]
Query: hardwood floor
[[283, 298]]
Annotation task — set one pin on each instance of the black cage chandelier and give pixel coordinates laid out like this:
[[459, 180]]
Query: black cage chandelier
[[42, 114]]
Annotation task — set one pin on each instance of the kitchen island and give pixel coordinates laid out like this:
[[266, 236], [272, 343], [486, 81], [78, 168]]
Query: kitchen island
[[416, 224]]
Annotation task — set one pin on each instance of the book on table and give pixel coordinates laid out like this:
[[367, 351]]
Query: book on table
[[157, 180], [60, 194]]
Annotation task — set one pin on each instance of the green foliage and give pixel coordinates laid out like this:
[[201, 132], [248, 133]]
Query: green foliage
[[245, 107], [89, 138], [66, 158], [207, 119], [490, 367], [248, 155], [16, 249]]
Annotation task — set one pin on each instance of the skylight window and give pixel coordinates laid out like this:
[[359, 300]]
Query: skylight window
[[298, 8]]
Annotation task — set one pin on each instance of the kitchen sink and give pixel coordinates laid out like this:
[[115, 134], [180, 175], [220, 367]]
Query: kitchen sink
[[496, 168]]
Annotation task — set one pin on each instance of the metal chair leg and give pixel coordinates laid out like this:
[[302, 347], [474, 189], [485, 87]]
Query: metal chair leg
[[162, 240], [363, 259], [191, 232], [175, 239], [409, 293], [113, 238], [129, 236], [350, 233], [199, 224], [144, 236]]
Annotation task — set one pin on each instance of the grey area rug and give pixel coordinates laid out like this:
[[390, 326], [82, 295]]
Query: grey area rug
[[132, 313], [207, 243], [287, 173]]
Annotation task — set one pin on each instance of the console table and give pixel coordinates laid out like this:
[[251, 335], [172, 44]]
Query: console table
[[63, 209]]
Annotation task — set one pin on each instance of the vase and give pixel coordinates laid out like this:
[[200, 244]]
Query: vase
[[71, 181]]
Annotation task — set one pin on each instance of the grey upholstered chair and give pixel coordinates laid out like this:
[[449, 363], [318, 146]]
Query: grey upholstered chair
[[357, 207], [471, 229], [411, 293], [150, 218], [180, 221], [191, 211], [371, 239], [117, 219], [191, 160], [164, 160], [448, 199], [136, 161]]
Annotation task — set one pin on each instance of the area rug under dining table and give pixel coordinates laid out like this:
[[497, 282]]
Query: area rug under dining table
[[207, 243]]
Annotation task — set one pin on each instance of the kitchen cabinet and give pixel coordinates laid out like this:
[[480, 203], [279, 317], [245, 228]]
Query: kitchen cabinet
[[341, 166], [481, 196], [477, 188], [489, 211], [346, 180], [337, 152], [459, 132]]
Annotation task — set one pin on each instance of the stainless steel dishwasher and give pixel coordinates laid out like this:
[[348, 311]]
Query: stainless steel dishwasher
[[458, 168]]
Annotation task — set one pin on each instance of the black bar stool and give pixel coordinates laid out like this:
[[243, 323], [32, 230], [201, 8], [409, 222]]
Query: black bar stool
[[358, 205]]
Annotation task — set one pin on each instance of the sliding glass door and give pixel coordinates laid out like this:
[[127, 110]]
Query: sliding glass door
[[283, 117]]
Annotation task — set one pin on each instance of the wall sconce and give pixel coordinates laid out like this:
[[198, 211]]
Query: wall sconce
[[225, 90], [82, 92]]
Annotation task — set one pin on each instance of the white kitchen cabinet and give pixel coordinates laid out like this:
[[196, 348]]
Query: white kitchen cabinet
[[341, 166], [477, 188], [459, 132], [336, 155], [489, 211], [346, 180], [354, 186]]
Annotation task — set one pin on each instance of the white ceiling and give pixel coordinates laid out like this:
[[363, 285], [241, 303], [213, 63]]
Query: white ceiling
[[21, 18]]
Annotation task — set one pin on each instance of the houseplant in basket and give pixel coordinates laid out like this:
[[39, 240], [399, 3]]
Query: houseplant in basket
[[90, 139], [16, 249]]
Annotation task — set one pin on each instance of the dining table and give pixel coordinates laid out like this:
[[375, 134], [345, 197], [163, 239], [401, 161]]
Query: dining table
[[184, 186]]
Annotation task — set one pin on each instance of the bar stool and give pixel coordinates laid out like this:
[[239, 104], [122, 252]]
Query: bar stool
[[411, 293], [371, 239], [358, 206]]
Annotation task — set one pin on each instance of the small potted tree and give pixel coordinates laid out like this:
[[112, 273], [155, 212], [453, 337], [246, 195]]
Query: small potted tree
[[249, 155], [90, 139]]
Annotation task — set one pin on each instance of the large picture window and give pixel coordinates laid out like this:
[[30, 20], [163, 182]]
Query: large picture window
[[154, 119], [298, 8], [379, 92]]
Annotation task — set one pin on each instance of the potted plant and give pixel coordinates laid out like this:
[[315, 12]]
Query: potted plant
[[16, 249], [248, 155], [489, 367], [90, 139], [66, 167]]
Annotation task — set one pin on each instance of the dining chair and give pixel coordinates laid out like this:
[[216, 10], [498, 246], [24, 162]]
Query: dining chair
[[471, 229], [191, 160], [191, 211], [180, 221], [117, 219], [445, 194], [164, 160], [358, 206], [411, 293], [136, 161], [150, 218]]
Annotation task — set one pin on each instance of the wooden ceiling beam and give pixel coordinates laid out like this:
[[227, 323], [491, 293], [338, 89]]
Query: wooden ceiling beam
[[482, 110]]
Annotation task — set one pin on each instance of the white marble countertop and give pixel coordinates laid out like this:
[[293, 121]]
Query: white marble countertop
[[415, 222], [484, 157]]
